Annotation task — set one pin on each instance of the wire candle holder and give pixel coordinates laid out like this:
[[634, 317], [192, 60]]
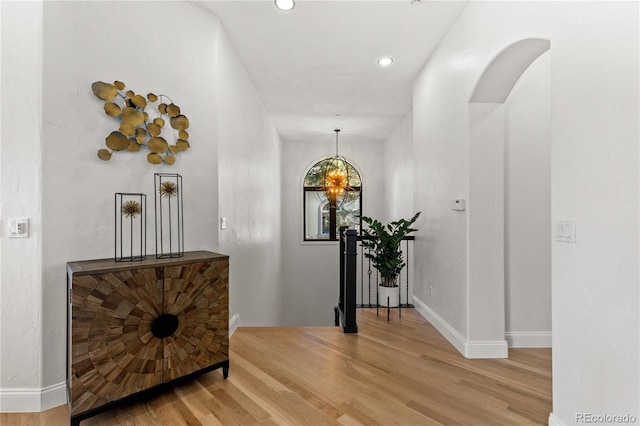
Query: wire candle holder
[[169, 219], [131, 227]]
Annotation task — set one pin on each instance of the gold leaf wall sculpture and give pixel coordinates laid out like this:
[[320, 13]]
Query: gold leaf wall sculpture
[[138, 129], [116, 141]]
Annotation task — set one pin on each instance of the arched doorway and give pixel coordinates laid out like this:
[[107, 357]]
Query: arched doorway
[[491, 206]]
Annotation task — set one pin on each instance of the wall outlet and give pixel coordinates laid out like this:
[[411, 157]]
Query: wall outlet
[[430, 292]]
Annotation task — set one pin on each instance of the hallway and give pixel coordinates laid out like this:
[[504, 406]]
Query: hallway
[[402, 372]]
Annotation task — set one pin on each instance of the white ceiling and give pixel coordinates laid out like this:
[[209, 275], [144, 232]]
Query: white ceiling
[[320, 59]]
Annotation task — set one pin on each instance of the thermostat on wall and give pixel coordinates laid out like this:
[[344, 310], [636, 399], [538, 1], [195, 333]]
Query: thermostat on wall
[[459, 205]]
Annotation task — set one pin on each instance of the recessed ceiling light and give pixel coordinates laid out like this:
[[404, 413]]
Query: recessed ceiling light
[[385, 61], [285, 4]]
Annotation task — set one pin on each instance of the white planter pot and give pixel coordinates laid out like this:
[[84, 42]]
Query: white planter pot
[[388, 296]]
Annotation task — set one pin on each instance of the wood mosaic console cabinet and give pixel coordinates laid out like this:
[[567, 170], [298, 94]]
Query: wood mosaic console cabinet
[[137, 328]]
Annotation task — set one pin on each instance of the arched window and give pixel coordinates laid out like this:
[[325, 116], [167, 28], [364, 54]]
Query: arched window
[[321, 221]]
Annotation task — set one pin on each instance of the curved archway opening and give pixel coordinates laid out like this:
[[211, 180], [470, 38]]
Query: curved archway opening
[[490, 134], [502, 74]]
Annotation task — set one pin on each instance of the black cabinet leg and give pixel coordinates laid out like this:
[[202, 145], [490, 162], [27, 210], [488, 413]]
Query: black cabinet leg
[[225, 370]]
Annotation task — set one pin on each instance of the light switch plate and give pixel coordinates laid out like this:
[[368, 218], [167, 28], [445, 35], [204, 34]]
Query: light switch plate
[[565, 231], [459, 205], [18, 227]]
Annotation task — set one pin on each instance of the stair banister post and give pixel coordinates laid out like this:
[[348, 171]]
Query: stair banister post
[[343, 243], [350, 268]]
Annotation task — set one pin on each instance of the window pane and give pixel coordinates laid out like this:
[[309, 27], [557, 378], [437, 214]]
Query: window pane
[[316, 218], [354, 177], [348, 214], [317, 215], [315, 175]]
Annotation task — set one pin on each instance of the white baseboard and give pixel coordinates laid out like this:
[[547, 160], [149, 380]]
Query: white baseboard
[[483, 349], [441, 325], [554, 421], [528, 339], [54, 396], [234, 323], [32, 400], [470, 349]]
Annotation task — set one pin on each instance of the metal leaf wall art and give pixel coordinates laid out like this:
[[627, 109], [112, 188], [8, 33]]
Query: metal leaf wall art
[[138, 129]]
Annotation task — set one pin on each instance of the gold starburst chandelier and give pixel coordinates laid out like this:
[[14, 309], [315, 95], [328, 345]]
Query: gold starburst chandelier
[[335, 182]]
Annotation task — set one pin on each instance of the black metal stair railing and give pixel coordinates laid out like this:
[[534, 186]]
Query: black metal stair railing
[[345, 312], [359, 287]]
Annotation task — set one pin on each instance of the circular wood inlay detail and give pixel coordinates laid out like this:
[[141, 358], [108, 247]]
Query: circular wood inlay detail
[[165, 325]]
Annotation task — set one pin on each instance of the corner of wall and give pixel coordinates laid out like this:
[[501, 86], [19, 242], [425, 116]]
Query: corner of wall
[[234, 323], [479, 349], [449, 333], [554, 421]]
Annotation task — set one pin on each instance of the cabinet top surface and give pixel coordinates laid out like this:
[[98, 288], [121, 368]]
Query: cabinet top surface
[[96, 266]]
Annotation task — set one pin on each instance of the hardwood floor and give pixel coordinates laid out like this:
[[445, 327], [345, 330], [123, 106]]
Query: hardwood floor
[[398, 373]]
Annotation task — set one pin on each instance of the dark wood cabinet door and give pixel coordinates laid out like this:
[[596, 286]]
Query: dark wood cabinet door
[[197, 294], [114, 352], [135, 327]]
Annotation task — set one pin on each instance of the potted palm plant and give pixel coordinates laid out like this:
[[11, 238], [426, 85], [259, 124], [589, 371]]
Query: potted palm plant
[[383, 244]]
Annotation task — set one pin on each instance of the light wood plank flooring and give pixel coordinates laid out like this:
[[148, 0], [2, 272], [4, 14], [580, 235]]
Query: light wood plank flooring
[[398, 373]]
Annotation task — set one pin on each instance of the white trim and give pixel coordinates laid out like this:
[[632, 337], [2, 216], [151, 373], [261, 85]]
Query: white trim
[[53, 396], [20, 400], [554, 420], [234, 323], [470, 349], [32, 400], [482, 349], [528, 339], [441, 325]]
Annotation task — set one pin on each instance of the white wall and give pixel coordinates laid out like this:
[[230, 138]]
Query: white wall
[[82, 42], [594, 180], [485, 321], [398, 172], [89, 41], [310, 269], [249, 192], [594, 128], [528, 207], [398, 191], [440, 175], [20, 177]]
